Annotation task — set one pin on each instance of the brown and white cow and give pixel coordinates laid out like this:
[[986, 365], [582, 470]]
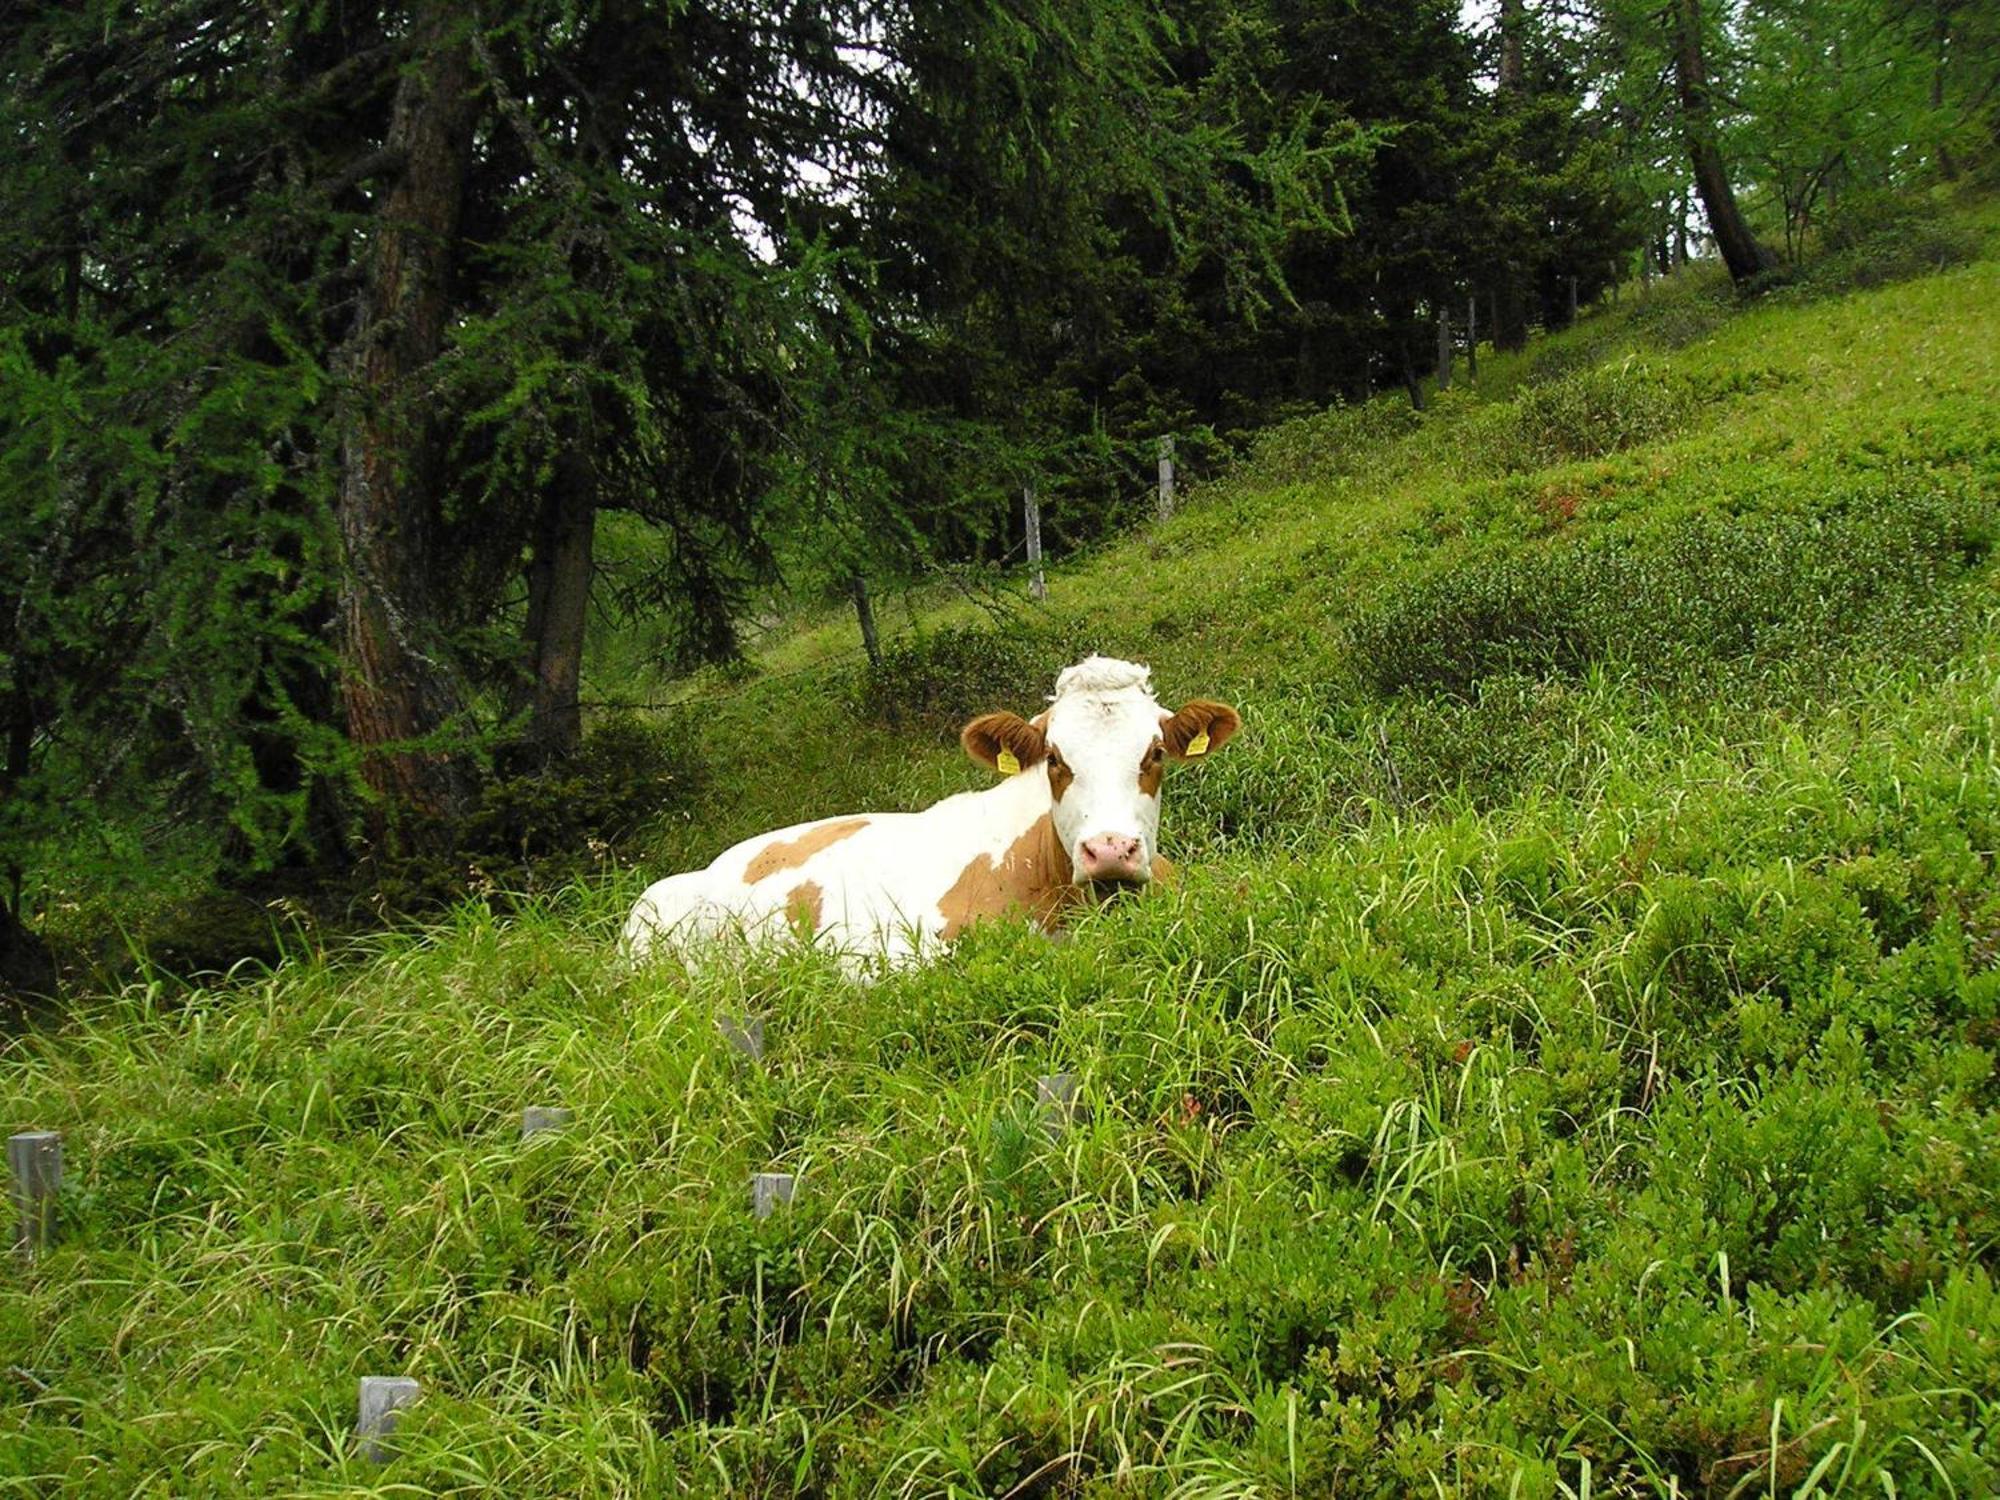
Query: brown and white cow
[[1079, 808]]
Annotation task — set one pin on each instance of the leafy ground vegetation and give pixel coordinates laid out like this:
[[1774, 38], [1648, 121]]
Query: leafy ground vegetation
[[1567, 1069]]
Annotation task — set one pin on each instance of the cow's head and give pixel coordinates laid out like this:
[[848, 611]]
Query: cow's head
[[1103, 743]]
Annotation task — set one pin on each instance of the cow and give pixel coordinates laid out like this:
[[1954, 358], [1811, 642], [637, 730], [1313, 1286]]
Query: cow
[[1075, 816]]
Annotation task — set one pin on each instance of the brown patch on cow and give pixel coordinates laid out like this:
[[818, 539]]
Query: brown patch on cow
[[1179, 729], [1060, 775], [791, 853], [1152, 768], [802, 909], [1034, 876]]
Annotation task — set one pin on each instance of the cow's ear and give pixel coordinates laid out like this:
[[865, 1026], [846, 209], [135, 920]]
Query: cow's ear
[[1200, 727], [1004, 742]]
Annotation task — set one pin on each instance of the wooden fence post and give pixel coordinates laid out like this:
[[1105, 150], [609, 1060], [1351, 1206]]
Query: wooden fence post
[[1056, 1102], [1031, 510], [537, 1118], [746, 1037], [1166, 507], [769, 1189], [34, 1160], [382, 1400]]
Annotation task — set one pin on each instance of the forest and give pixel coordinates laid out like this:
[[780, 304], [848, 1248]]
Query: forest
[[362, 362]]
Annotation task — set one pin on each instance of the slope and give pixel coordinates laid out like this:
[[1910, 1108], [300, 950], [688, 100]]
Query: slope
[[1569, 1067]]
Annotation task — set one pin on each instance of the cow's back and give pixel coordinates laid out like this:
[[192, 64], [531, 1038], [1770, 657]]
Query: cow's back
[[861, 882]]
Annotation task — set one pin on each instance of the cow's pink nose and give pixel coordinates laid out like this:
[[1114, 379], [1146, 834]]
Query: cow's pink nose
[[1112, 856]]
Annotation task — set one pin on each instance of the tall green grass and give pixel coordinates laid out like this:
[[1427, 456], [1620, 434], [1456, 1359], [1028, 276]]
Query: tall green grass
[[1568, 1067]]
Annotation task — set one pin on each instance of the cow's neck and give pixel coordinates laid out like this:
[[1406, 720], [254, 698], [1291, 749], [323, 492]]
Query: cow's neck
[[1017, 804], [1025, 868]]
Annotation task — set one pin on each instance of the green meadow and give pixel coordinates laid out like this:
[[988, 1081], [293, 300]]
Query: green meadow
[[1566, 1068]]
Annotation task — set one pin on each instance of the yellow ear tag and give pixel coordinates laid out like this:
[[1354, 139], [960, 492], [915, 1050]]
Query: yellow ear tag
[[1008, 763], [1197, 746]]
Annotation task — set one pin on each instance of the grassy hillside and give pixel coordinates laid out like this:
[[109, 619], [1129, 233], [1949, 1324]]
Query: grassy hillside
[[1569, 1067]]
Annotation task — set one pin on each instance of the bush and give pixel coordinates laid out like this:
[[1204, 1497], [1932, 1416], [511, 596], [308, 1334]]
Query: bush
[[1338, 441], [539, 830], [1677, 312], [1507, 615], [936, 682], [1511, 732], [1780, 593], [1878, 238], [1591, 413]]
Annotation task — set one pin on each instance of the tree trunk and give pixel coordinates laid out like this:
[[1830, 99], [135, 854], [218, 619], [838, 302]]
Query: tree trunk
[[1745, 257], [558, 606], [1941, 39], [1472, 338], [400, 695], [26, 966], [1510, 312], [864, 615], [1513, 73], [1444, 349]]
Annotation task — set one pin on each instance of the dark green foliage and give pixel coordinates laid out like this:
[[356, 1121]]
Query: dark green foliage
[[536, 830], [1341, 440], [1882, 237], [933, 683], [313, 541]]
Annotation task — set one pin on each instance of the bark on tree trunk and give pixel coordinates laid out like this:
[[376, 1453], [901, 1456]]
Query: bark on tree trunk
[[1513, 73], [1444, 349], [1941, 38], [559, 606], [1741, 252], [397, 688], [864, 615], [1510, 313]]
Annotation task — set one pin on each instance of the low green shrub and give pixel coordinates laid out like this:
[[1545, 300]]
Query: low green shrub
[[1593, 412], [538, 830], [1339, 441], [1682, 310], [935, 682], [1780, 594], [1876, 238], [1513, 730]]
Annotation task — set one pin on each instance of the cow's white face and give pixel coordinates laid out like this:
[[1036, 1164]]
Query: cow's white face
[[1103, 744]]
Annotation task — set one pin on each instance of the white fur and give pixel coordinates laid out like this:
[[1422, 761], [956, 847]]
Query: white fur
[[1103, 719], [1103, 674]]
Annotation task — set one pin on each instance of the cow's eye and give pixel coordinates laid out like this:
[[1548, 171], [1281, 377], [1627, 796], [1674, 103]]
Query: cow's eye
[[1157, 754], [1055, 756]]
